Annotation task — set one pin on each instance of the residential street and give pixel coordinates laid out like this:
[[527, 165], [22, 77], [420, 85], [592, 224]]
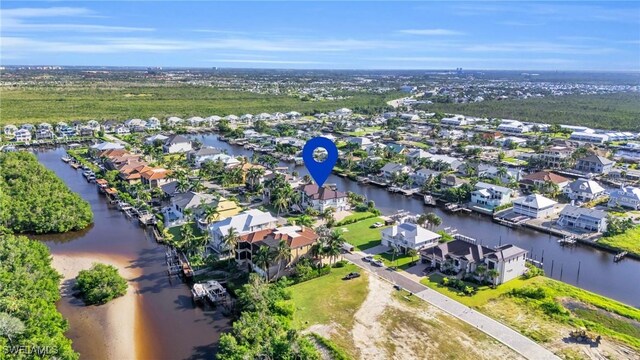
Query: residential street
[[521, 344]]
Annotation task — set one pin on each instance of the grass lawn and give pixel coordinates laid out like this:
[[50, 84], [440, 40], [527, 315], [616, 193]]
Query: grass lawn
[[176, 231], [629, 241], [361, 234], [356, 216], [329, 299], [484, 293], [401, 261]]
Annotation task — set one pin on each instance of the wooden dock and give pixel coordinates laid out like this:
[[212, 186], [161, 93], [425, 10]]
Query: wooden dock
[[454, 208]]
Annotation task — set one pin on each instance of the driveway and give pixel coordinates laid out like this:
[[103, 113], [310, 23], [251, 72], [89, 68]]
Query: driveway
[[513, 339]]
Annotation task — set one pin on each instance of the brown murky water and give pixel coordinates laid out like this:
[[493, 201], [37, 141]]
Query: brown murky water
[[168, 325]]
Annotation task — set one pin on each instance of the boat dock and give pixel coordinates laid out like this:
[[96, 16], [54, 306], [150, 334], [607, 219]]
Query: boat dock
[[406, 192], [619, 256], [454, 208], [210, 290], [568, 241]]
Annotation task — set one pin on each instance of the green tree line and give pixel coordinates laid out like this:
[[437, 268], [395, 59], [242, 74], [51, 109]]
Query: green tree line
[[34, 200]]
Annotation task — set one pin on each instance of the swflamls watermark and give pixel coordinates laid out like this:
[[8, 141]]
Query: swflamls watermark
[[31, 350]]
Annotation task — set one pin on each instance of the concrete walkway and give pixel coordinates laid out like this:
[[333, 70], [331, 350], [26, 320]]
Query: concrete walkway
[[513, 339]]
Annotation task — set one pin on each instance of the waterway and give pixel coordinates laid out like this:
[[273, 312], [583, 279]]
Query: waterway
[[583, 266], [168, 326]]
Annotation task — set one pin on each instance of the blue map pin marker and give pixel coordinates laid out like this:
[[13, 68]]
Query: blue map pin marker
[[320, 170]]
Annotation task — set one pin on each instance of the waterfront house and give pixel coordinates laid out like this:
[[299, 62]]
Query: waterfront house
[[131, 171], [595, 164], [390, 169], [299, 240], [452, 181], [226, 160], [196, 203], [490, 196], [22, 135], [44, 134], [155, 177], [626, 197], [423, 175], [583, 219], [583, 190], [104, 146], [407, 236], [205, 153], [414, 156], [174, 121], [555, 156], [9, 130], [322, 198], [243, 223], [176, 144], [534, 205], [464, 257], [542, 180]]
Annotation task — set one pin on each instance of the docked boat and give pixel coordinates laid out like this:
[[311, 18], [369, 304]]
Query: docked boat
[[66, 158]]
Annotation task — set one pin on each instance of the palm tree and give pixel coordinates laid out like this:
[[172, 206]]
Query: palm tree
[[502, 172], [211, 213], [413, 253], [327, 213], [183, 185], [481, 271], [231, 241], [493, 275], [283, 254], [394, 253], [334, 244], [262, 258]]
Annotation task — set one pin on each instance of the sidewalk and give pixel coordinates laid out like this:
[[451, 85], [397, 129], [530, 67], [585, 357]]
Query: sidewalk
[[513, 339]]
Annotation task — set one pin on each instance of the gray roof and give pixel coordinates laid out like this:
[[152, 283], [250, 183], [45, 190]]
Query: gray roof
[[506, 252], [597, 159], [575, 211], [586, 186], [500, 189], [204, 151], [192, 199], [176, 139]]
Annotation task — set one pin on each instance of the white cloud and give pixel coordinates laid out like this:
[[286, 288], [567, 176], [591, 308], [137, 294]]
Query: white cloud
[[264, 61], [430, 32], [45, 12]]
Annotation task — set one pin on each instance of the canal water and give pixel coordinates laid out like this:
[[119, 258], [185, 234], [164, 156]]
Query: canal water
[[168, 325], [597, 271]]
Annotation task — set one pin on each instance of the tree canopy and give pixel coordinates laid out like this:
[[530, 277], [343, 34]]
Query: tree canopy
[[34, 200], [28, 295]]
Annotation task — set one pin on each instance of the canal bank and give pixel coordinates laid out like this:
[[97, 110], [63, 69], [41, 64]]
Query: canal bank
[[167, 325], [585, 267]]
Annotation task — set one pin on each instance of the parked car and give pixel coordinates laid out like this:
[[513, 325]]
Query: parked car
[[368, 258], [377, 225], [377, 263], [351, 275], [256, 200]]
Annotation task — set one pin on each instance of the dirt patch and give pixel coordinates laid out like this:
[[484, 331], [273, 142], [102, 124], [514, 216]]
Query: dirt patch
[[367, 330]]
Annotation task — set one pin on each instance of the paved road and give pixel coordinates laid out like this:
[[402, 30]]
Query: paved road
[[513, 339]]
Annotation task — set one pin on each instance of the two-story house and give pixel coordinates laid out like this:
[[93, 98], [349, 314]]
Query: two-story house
[[626, 197], [583, 219], [542, 180], [534, 205], [176, 144], [423, 175], [322, 198], [407, 236], [197, 157], [595, 164], [583, 190], [244, 223], [490, 196], [555, 156], [463, 257], [389, 170]]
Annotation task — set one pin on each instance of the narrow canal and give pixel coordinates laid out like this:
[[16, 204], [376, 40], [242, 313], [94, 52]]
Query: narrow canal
[[168, 326], [597, 271]]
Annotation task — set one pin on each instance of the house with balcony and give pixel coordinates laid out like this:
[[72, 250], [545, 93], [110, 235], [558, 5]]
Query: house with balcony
[[389, 170], [583, 190], [181, 203], [205, 153], [490, 196], [22, 135], [542, 180], [535, 206], [322, 198], [155, 177], [555, 156], [464, 258], [244, 223], [407, 236], [583, 219], [626, 197], [423, 175], [595, 164], [299, 240]]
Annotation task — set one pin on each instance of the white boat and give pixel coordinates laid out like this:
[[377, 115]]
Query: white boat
[[66, 158]]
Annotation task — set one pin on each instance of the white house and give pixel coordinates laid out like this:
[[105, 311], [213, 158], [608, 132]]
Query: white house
[[176, 144], [103, 146], [423, 175], [9, 130], [174, 120], [583, 219], [534, 205], [322, 198], [390, 169], [513, 127], [583, 190], [627, 197], [490, 196], [23, 135], [407, 236], [454, 121], [122, 130], [227, 160], [244, 223], [155, 138], [203, 154], [361, 142], [589, 137]]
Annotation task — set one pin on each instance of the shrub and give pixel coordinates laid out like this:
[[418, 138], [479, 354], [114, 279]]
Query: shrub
[[552, 308], [532, 271], [340, 264], [101, 284], [531, 292]]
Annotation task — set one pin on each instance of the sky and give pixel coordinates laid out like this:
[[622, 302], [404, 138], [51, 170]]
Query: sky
[[590, 35]]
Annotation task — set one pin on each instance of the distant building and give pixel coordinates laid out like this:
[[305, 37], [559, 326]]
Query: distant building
[[589, 137], [626, 197], [513, 127], [595, 164]]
